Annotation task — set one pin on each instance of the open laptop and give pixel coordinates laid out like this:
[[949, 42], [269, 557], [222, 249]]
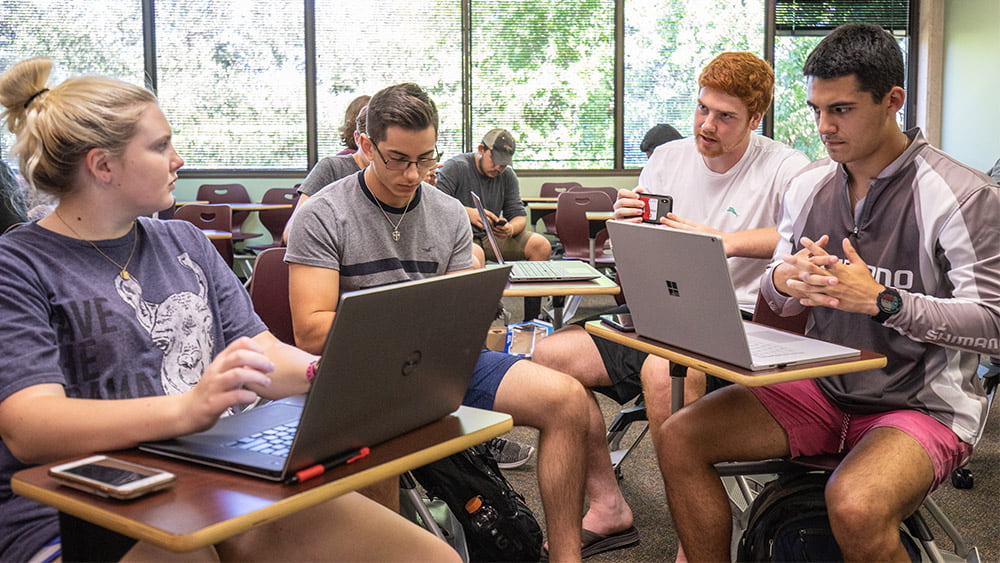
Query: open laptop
[[680, 293], [397, 357], [535, 270]]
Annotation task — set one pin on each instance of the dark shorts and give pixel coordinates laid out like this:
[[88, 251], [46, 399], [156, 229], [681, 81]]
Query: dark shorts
[[814, 425], [624, 366], [490, 371]]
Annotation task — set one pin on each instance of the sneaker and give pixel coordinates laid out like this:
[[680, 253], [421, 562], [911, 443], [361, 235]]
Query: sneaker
[[508, 453]]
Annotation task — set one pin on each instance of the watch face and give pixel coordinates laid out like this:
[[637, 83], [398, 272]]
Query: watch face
[[889, 301]]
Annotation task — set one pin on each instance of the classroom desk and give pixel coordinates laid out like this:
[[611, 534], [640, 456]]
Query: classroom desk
[[183, 203], [729, 372], [539, 207], [214, 234], [559, 290], [206, 506]]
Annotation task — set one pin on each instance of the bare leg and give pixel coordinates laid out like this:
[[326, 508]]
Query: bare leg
[[537, 248], [556, 405], [347, 528], [881, 481], [728, 425], [572, 351]]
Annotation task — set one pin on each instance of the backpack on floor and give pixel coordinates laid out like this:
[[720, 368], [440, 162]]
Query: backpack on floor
[[513, 534], [788, 522]]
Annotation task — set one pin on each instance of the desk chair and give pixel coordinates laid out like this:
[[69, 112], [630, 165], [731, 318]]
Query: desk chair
[[573, 227], [216, 217], [229, 193], [622, 422], [269, 293], [553, 189], [274, 220]]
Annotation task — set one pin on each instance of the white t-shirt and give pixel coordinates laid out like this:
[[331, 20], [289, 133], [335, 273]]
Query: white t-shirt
[[747, 196]]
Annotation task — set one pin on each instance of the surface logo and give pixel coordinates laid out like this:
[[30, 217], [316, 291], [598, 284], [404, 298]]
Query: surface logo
[[672, 289], [733, 211]]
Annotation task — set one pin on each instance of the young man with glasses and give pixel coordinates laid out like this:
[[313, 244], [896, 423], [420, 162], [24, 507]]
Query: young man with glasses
[[383, 226]]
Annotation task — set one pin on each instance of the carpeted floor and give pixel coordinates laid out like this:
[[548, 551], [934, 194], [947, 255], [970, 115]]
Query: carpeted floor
[[974, 511]]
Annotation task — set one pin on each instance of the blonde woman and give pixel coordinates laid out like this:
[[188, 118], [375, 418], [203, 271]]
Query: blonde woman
[[118, 329]]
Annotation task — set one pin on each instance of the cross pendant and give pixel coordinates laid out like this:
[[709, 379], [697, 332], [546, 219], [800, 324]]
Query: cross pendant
[[395, 235]]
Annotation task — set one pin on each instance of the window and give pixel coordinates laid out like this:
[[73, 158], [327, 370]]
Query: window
[[415, 41], [259, 87], [100, 37], [545, 71], [230, 80], [798, 26], [666, 46]]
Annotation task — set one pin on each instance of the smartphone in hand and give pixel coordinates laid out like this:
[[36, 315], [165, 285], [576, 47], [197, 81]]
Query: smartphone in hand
[[111, 477], [655, 207]]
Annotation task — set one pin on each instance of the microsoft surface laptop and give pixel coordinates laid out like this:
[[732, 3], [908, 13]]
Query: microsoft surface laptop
[[397, 357], [536, 270], [680, 293]]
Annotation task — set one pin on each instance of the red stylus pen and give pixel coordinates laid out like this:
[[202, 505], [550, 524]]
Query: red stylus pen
[[321, 468]]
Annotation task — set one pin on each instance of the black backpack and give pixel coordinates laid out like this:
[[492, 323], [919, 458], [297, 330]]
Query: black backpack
[[788, 522], [516, 536]]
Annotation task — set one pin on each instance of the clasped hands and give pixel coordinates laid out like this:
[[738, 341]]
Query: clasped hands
[[819, 279]]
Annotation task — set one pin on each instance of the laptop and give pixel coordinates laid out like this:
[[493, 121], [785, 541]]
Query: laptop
[[680, 293], [536, 270], [397, 357]]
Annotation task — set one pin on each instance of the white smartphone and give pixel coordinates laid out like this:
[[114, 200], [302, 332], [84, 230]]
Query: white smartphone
[[110, 477]]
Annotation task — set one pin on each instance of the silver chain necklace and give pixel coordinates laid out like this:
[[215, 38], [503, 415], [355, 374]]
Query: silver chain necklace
[[395, 228]]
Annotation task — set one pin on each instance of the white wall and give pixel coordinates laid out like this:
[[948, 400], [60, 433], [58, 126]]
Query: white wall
[[970, 120]]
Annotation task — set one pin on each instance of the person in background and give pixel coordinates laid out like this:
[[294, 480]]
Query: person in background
[[894, 247], [487, 172], [12, 210], [331, 169], [349, 127], [119, 329], [725, 179], [656, 136], [995, 172], [386, 226]]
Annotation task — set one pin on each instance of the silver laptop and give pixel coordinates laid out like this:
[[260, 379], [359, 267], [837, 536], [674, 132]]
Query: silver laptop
[[680, 293], [536, 270], [397, 357]]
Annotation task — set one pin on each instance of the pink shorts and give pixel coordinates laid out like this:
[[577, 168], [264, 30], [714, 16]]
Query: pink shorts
[[814, 426]]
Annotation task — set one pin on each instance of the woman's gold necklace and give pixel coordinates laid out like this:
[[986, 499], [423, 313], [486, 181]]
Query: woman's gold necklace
[[124, 269]]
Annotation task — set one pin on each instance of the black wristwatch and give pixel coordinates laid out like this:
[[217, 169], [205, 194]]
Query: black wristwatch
[[889, 303]]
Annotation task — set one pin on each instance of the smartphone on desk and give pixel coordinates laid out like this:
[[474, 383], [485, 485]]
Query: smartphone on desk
[[111, 477], [620, 321]]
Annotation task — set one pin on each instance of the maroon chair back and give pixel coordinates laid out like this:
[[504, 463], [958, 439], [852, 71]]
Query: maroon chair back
[[269, 293], [763, 314], [274, 220], [572, 226], [216, 217], [612, 192], [227, 193], [553, 189]]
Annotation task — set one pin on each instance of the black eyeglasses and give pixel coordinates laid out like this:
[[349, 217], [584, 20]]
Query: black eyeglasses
[[401, 164]]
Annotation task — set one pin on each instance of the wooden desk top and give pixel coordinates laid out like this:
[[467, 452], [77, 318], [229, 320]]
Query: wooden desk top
[[214, 234], [206, 506], [258, 206], [736, 374], [548, 205], [600, 215], [599, 286], [539, 199]]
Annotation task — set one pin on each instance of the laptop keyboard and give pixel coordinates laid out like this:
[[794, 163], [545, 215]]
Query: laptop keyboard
[[534, 270], [274, 441]]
